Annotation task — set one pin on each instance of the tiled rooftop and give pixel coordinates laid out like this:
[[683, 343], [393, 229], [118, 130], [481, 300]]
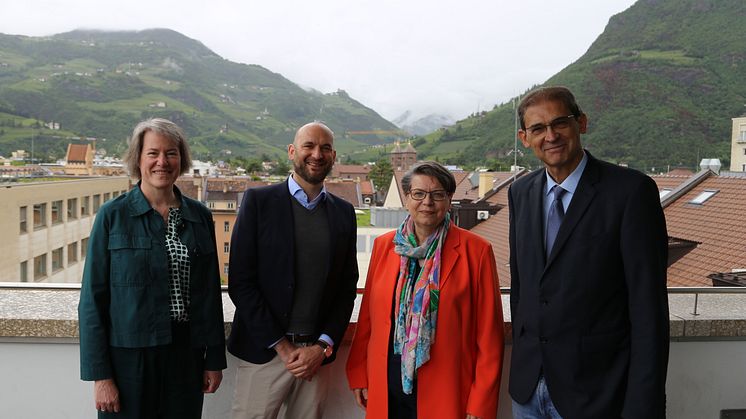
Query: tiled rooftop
[[716, 225]]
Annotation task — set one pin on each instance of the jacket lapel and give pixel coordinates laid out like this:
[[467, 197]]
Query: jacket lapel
[[536, 215], [449, 254]]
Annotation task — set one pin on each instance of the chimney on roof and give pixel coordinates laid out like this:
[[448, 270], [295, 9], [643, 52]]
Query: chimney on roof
[[712, 164], [486, 180]]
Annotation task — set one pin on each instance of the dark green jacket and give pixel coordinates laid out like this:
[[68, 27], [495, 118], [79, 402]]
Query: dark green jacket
[[124, 297]]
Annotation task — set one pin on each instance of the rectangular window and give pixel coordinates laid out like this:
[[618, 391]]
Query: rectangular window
[[72, 253], [40, 267], [210, 204], [231, 205], [742, 136], [56, 212], [57, 260], [72, 208], [40, 216], [23, 224], [83, 248], [226, 226], [96, 203], [24, 271], [107, 195], [85, 206], [225, 268], [226, 247], [115, 194]]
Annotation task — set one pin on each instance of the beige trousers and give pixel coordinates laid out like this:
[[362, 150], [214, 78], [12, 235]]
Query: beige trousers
[[270, 391]]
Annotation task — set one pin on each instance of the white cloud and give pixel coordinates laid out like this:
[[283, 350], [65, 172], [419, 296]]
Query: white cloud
[[423, 55]]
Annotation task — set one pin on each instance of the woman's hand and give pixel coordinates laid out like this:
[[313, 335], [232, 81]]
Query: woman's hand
[[361, 397], [211, 381], [106, 395]]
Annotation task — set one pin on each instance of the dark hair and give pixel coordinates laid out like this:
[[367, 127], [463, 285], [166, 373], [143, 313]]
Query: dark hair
[[432, 169], [165, 128], [559, 94]]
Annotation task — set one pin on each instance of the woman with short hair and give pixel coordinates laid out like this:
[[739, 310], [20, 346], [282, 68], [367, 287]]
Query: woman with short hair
[[150, 312], [429, 338]]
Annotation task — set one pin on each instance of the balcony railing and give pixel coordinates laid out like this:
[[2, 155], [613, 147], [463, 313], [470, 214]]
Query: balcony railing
[[39, 344]]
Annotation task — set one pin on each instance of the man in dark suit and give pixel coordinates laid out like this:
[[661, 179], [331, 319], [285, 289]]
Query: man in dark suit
[[588, 261], [293, 278]]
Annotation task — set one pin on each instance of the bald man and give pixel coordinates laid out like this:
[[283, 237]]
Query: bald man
[[293, 277]]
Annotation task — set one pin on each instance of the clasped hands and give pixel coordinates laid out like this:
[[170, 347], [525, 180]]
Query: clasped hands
[[301, 361]]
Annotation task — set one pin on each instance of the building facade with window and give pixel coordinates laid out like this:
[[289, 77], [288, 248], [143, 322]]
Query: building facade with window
[[47, 225]]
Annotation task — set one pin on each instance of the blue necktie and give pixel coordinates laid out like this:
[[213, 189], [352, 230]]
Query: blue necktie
[[556, 214]]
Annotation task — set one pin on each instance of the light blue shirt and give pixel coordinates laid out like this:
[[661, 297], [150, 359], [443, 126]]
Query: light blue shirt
[[569, 185], [300, 195]]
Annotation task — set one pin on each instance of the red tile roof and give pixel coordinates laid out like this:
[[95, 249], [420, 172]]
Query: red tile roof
[[187, 187], [342, 170], [348, 191], [366, 187], [716, 224], [77, 153], [495, 230], [669, 181]]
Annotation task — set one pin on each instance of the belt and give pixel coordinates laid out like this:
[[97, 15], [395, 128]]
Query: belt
[[298, 338]]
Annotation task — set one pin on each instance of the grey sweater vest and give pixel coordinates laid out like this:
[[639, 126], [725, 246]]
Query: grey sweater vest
[[311, 266]]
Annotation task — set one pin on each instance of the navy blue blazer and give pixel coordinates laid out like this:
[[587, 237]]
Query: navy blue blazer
[[593, 316], [261, 277]]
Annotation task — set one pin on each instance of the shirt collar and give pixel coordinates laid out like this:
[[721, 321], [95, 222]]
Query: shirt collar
[[300, 195], [571, 183]]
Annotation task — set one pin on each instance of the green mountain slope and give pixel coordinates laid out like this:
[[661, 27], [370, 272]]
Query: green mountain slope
[[660, 87], [100, 84]]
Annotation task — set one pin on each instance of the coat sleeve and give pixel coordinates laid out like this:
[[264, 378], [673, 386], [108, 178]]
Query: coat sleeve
[[484, 394], [644, 247], [243, 283], [215, 359], [339, 317], [93, 308], [357, 362]]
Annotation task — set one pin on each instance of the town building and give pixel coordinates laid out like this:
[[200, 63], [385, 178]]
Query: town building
[[402, 158], [47, 225]]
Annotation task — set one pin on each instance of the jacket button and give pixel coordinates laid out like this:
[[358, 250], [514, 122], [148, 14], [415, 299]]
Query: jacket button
[[545, 302], [543, 340]]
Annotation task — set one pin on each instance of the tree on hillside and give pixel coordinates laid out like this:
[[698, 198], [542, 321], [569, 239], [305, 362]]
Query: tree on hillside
[[282, 168], [381, 174]]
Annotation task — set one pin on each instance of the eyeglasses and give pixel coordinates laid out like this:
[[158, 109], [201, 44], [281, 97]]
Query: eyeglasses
[[436, 195], [561, 123]]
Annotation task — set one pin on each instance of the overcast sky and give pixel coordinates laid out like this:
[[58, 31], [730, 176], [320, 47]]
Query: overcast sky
[[427, 56]]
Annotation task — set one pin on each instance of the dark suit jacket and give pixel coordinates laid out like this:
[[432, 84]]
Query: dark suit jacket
[[262, 272], [593, 316]]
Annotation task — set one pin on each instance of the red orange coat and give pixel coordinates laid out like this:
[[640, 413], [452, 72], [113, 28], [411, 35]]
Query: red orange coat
[[463, 373]]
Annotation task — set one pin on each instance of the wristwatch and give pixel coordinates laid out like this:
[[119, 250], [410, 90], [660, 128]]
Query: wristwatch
[[326, 347]]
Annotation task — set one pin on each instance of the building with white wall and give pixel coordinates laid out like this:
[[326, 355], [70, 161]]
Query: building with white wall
[[46, 225]]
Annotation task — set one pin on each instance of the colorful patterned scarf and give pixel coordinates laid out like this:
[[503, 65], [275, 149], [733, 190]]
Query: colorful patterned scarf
[[417, 297]]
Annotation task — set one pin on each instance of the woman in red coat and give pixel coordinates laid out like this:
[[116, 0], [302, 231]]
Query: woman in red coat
[[429, 339]]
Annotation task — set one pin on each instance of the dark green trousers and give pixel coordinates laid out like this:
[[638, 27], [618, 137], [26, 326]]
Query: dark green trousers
[[161, 382]]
